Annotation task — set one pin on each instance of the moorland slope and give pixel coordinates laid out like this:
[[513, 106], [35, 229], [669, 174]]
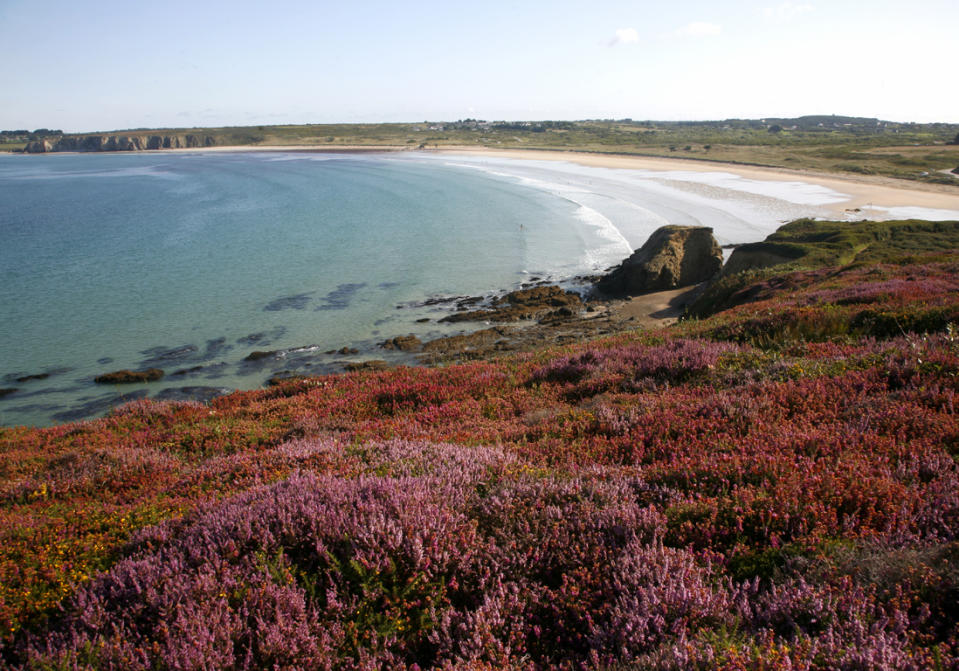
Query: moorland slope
[[772, 485]]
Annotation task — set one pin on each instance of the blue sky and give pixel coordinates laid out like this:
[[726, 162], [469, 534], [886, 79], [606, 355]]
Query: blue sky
[[87, 66]]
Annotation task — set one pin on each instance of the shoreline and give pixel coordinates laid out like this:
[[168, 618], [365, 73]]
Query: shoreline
[[651, 311], [863, 192]]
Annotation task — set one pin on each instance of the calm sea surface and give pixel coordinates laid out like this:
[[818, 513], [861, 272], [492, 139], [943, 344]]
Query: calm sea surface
[[189, 262]]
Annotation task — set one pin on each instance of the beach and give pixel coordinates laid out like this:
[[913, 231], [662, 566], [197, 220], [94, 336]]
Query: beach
[[863, 191]]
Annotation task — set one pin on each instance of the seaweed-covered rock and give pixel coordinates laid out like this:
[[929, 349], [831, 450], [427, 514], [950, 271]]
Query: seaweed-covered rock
[[522, 304], [672, 257], [257, 355], [129, 376]]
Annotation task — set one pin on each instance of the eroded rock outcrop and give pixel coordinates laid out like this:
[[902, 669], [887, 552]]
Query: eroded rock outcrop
[[673, 257], [125, 142], [38, 147]]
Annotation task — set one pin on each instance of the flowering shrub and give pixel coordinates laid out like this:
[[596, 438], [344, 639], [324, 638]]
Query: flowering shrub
[[774, 487]]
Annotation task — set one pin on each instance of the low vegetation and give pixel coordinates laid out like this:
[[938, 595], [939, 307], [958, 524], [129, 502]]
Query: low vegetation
[[855, 145], [807, 244], [772, 486]]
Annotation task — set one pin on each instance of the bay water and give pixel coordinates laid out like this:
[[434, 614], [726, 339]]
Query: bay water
[[191, 261]]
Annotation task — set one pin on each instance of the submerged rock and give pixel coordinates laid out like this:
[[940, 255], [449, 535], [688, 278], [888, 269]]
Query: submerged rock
[[6, 391], [201, 394], [129, 376], [160, 355], [98, 406], [258, 355], [673, 257], [37, 376]]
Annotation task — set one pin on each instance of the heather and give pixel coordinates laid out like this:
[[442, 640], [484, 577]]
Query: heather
[[773, 487]]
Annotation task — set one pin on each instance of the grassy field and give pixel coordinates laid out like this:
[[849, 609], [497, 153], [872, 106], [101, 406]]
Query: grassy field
[[829, 144]]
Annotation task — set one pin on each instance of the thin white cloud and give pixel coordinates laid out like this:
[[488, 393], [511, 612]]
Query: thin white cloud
[[786, 11], [624, 36], [699, 29]]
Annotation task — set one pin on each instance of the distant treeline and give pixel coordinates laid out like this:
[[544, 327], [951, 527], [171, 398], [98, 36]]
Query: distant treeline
[[27, 135]]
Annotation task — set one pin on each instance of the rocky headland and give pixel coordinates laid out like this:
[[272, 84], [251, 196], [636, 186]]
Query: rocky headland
[[125, 142], [672, 257], [650, 288]]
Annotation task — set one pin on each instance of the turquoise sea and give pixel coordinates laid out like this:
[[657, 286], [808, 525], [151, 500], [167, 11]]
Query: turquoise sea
[[191, 261]]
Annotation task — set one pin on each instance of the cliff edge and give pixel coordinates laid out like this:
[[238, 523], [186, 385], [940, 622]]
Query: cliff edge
[[126, 142]]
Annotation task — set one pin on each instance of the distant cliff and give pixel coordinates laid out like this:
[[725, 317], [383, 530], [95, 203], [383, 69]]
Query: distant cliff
[[118, 143]]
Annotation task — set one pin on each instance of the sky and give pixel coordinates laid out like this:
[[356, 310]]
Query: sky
[[96, 65]]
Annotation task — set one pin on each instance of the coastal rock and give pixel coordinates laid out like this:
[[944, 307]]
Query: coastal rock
[[409, 343], [125, 142], [129, 376], [38, 147], [36, 376], [521, 304], [284, 376], [465, 343], [672, 257], [539, 297], [375, 364], [257, 355], [186, 371], [98, 406], [199, 394]]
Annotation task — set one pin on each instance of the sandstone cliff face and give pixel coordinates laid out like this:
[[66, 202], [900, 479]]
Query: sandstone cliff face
[[674, 256], [88, 143], [38, 147]]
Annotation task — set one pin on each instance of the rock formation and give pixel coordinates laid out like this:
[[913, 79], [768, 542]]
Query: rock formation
[[674, 256], [521, 304], [409, 343], [129, 376], [125, 142]]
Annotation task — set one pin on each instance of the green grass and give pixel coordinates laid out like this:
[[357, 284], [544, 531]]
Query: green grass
[[807, 244]]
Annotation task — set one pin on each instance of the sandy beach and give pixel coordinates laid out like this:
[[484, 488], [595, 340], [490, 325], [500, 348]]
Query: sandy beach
[[863, 191]]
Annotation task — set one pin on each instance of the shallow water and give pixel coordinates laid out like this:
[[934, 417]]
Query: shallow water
[[191, 261]]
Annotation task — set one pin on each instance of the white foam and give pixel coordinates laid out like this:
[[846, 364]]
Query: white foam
[[302, 157], [908, 212], [616, 245], [141, 171], [800, 193]]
